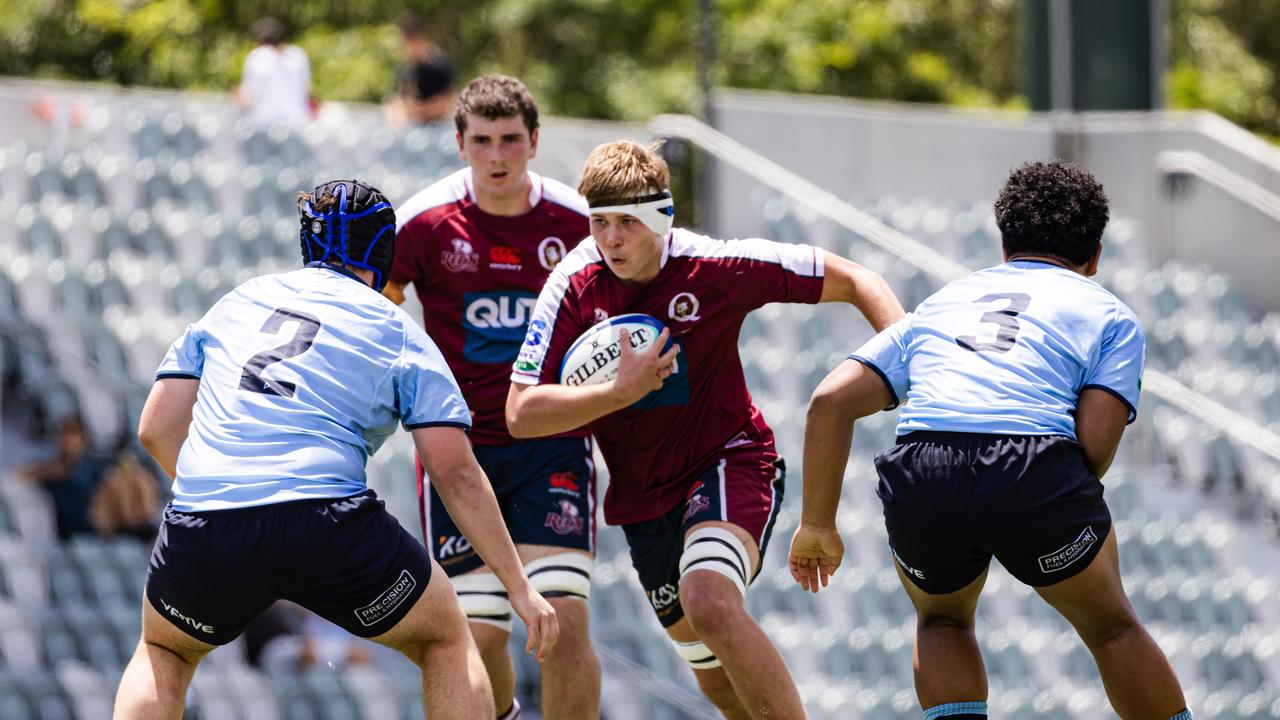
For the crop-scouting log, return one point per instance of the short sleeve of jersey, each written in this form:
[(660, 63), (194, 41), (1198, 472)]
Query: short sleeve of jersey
[(413, 248), (886, 354), (1118, 369), (185, 358), (426, 393), (552, 329), (768, 271)]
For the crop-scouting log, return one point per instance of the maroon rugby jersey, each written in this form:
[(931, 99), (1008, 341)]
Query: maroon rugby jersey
[(703, 291), (478, 275)]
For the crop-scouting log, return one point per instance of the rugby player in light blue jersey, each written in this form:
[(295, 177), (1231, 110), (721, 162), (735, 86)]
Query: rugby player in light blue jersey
[(1018, 381), (264, 413)]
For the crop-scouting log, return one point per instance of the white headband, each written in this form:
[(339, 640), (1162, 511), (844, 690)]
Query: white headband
[(656, 211)]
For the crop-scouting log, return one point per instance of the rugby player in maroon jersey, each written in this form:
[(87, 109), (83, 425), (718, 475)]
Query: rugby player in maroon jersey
[(695, 479)]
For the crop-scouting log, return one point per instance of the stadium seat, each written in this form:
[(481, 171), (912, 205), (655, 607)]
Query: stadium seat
[(329, 695), (87, 690), (66, 584), (96, 636), (1005, 662), (38, 234), (191, 190), (58, 641), (295, 702), (19, 641), (13, 700), (84, 184), (35, 523), (46, 697)]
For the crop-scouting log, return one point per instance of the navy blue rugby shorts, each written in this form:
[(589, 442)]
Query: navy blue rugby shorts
[(952, 501), (347, 560), (546, 489)]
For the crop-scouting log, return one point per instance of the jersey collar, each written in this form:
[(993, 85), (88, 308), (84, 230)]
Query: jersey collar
[(535, 188), (1037, 262), (666, 248), (339, 270)]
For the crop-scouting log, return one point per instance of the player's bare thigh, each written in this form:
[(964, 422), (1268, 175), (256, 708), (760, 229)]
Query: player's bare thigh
[(1094, 600), (435, 618), (960, 606), (158, 631)]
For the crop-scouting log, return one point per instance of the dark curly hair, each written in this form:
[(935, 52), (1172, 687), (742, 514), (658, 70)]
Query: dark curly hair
[(1052, 208)]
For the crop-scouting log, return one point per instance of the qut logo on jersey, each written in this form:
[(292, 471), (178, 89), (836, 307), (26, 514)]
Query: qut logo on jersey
[(495, 323)]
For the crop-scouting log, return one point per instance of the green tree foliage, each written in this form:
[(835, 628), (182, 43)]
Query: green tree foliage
[(1225, 57), (630, 60), (593, 58)]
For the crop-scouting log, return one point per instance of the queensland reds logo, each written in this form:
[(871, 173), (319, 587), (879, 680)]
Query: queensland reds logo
[(684, 307), (695, 501), (697, 504), (567, 521), (464, 258), (550, 252)]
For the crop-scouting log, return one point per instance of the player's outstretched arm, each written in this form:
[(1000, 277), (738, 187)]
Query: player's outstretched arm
[(166, 419), (550, 409), (849, 392), (1100, 421), (846, 281), (468, 496)]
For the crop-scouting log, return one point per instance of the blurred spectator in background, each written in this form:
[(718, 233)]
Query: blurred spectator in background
[(276, 84), (424, 82), (289, 638), (282, 619), (71, 478), (128, 500)]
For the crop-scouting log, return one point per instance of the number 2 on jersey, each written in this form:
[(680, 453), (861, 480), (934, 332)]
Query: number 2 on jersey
[(252, 379), (1006, 319)]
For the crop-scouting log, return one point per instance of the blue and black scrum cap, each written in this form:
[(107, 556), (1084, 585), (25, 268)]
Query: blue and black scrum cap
[(657, 210), (357, 227)]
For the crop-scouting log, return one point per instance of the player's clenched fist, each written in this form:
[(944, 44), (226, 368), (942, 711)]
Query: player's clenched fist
[(815, 555), (540, 618)]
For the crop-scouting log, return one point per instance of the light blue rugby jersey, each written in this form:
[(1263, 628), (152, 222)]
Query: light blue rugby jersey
[(303, 375), (1007, 351)]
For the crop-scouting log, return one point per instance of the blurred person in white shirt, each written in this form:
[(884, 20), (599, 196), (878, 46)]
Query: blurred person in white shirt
[(276, 84)]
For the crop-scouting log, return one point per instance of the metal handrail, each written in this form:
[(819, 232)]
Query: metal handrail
[(691, 704), (800, 190), (1193, 163)]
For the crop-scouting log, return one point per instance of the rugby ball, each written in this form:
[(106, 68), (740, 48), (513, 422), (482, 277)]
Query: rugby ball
[(593, 358)]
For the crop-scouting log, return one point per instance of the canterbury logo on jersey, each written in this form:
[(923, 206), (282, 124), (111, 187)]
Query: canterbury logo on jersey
[(495, 324)]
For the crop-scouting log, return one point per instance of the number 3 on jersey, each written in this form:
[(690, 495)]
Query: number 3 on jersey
[(1006, 320), (251, 378)]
